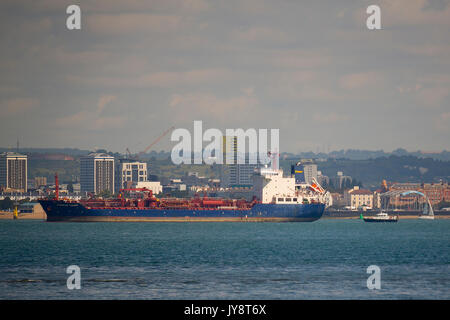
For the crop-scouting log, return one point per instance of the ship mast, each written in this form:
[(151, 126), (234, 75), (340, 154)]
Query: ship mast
[(56, 186)]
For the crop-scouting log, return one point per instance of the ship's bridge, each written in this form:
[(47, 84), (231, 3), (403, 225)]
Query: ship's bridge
[(288, 200)]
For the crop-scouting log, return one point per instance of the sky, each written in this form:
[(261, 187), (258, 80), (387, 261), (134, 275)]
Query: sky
[(311, 69)]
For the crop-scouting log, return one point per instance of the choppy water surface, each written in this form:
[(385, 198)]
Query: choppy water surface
[(326, 259)]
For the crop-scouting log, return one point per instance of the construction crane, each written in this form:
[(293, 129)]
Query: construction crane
[(136, 157), (129, 153)]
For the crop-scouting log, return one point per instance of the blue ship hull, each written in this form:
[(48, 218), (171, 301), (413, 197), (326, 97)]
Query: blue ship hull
[(75, 212)]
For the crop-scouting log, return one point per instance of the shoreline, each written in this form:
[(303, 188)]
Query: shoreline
[(5, 215), (400, 217)]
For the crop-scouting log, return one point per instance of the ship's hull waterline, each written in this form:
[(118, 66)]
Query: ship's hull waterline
[(75, 212)]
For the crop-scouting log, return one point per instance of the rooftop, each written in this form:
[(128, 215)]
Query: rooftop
[(98, 155), (12, 154), (361, 192)]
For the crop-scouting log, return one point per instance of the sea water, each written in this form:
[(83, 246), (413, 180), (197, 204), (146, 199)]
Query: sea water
[(326, 259)]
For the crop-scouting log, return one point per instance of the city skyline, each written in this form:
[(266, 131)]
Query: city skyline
[(312, 70)]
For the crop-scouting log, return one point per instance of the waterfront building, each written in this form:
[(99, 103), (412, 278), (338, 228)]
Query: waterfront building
[(76, 188), (436, 192), (31, 210), (154, 186), (405, 186), (407, 200), (357, 198), (338, 199), (129, 172), (97, 173), (13, 172), (39, 182)]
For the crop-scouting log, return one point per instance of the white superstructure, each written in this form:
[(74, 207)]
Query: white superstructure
[(270, 186)]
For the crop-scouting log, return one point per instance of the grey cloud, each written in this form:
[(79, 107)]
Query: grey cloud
[(309, 68)]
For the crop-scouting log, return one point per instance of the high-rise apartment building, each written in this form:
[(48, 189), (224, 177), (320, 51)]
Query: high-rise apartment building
[(13, 172), (310, 172), (130, 172), (97, 173), (234, 174)]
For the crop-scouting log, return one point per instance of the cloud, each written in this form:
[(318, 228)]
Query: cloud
[(110, 122), (103, 101), (132, 24), (166, 79), (407, 13), (110, 6), (298, 59), (4, 90), (86, 57), (413, 13), (33, 26), (85, 120), (186, 107), (428, 50), (188, 6), (94, 119), (433, 97), (301, 86), (360, 80), (260, 34), (443, 122), (433, 89), (329, 118), (240, 63), (17, 106)]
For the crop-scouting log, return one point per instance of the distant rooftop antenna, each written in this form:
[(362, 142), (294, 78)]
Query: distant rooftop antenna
[(17, 150)]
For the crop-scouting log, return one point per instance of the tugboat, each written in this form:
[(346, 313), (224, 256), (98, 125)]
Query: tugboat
[(381, 217)]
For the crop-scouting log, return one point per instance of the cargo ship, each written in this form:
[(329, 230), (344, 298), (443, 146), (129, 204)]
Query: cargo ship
[(278, 201)]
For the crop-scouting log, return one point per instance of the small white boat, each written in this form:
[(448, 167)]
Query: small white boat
[(381, 217)]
